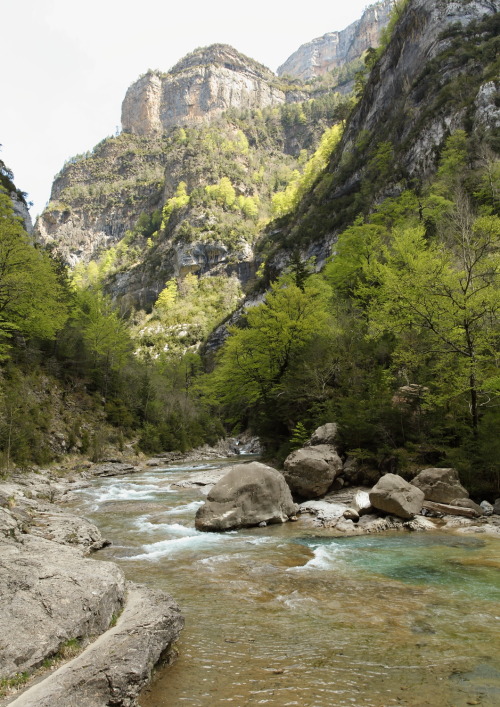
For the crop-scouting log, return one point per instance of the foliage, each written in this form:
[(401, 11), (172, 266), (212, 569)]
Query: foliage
[(31, 295)]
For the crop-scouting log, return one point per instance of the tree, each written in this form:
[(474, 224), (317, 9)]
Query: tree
[(442, 301), (32, 299), (255, 359), (104, 333)]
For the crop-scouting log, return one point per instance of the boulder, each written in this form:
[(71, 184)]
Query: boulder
[(310, 471), (247, 495), (440, 485), (487, 508), (326, 434), (394, 495), (361, 502), (496, 507)]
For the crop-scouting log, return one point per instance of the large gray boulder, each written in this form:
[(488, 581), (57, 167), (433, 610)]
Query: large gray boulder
[(394, 495), (326, 434), (440, 485), (249, 494), (309, 472)]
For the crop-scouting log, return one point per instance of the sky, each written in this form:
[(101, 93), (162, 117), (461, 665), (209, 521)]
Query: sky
[(66, 65)]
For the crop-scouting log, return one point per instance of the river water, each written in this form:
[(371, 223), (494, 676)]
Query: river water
[(289, 615)]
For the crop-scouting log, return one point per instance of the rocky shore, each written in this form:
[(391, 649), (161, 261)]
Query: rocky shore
[(56, 601), (73, 632)]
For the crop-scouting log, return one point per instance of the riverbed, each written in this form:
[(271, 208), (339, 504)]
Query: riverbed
[(289, 615)]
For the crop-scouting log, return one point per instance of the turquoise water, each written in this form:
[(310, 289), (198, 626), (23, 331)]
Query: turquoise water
[(288, 615)]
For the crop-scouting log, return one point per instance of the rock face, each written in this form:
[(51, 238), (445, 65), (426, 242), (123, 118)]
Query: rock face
[(310, 471), (394, 495), (440, 485), (204, 84), (114, 669), (247, 495), (335, 49)]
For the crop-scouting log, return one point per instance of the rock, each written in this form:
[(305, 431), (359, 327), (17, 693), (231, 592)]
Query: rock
[(247, 495), (326, 434), (67, 529), (203, 84), (334, 49), (440, 485), (114, 669), (487, 508), (394, 495), (113, 469), (50, 593), (310, 471), (361, 503), (448, 509), (496, 507), (324, 511), (351, 514), (468, 503)]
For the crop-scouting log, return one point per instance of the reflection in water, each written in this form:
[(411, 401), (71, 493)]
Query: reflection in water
[(286, 615)]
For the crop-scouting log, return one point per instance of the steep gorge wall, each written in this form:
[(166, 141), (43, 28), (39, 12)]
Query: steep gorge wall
[(437, 75), (334, 49)]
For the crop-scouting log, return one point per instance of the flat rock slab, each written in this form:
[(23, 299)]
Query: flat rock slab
[(209, 477), (51, 593), (114, 669)]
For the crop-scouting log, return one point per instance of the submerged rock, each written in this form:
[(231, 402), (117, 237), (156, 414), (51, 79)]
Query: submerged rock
[(440, 485), (393, 494), (310, 471), (246, 496)]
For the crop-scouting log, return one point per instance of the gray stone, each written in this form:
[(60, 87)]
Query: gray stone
[(246, 496), (468, 503), (440, 485), (326, 434), (310, 471), (114, 669), (394, 495), (487, 508), (50, 593), (496, 507)]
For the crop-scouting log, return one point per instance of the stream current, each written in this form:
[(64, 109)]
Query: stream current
[(289, 615)]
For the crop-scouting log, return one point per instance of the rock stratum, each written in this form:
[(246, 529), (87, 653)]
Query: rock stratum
[(335, 49), (54, 597), (205, 83)]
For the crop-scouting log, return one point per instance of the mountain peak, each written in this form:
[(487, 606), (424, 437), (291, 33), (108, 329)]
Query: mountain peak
[(203, 84)]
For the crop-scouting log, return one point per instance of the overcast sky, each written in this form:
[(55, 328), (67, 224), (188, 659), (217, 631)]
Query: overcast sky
[(66, 65)]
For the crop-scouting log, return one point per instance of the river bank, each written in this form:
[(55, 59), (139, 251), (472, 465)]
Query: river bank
[(56, 600)]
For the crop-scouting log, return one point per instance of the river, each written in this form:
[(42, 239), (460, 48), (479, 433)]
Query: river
[(289, 615)]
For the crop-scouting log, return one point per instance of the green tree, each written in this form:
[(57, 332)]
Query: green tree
[(32, 300), (443, 304), (255, 359)]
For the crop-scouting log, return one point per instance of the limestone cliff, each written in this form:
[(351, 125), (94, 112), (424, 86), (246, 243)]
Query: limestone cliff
[(437, 75), (334, 49), (202, 85)]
